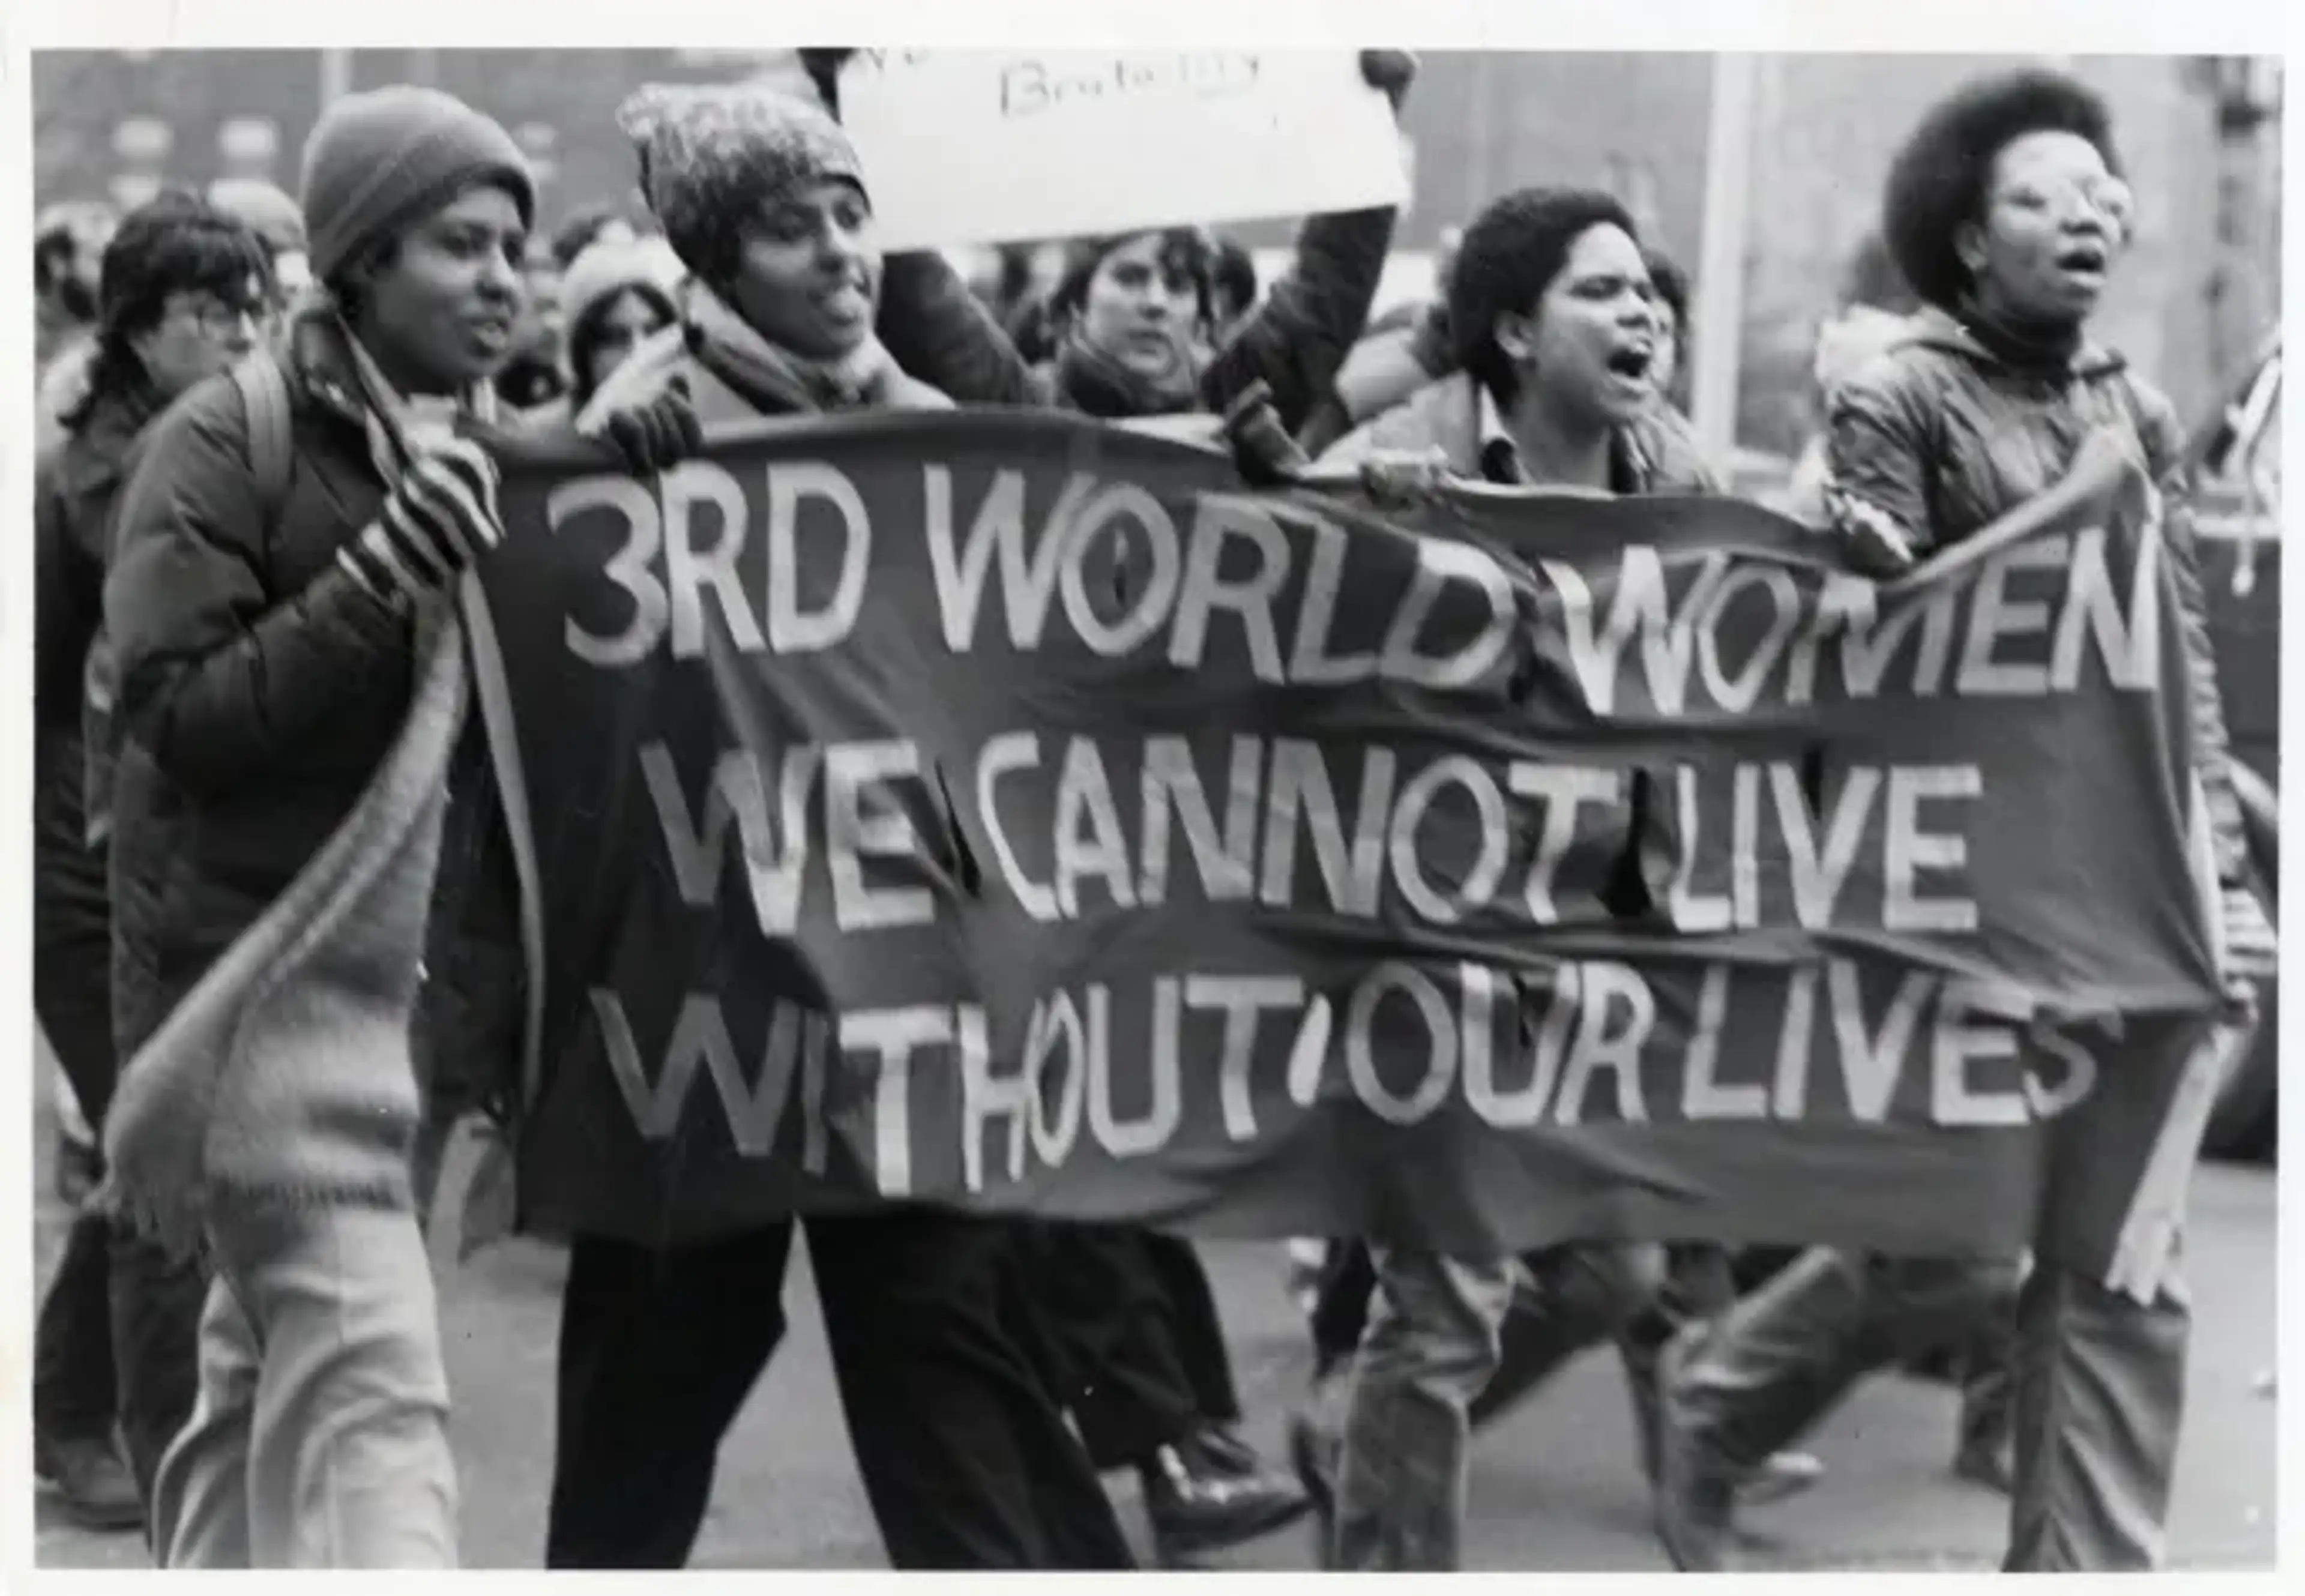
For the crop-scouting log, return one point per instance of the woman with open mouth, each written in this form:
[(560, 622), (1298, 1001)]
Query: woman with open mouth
[(1558, 337), (2005, 210)]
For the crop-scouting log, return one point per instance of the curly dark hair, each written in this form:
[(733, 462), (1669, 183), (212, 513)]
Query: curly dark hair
[(175, 243), (1510, 255), (1938, 180)]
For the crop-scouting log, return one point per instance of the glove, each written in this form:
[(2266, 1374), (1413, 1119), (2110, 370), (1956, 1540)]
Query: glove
[(1391, 73), (440, 517), (1401, 478), (1877, 546), (1263, 451), (657, 436)]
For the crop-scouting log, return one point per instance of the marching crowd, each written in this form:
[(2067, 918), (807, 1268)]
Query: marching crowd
[(265, 816)]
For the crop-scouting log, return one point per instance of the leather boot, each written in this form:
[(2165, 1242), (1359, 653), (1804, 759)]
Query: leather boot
[(1198, 1503)]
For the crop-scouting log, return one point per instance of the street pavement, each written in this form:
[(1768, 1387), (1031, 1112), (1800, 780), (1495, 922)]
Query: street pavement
[(1554, 1484)]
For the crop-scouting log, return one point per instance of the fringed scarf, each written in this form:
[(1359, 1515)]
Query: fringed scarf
[(300, 1033)]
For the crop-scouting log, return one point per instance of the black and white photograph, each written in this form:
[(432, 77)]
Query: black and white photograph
[(1104, 794)]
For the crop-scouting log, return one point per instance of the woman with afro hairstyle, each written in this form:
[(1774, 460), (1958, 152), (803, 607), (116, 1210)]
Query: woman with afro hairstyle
[(2006, 212)]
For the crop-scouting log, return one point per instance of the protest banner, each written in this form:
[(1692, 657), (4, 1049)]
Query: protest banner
[(1002, 810), (1240, 134)]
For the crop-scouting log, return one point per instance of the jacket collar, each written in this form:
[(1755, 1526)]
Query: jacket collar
[(316, 352), (1933, 327), (1499, 457)]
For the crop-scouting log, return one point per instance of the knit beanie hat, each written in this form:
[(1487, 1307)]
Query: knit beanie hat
[(264, 209), (379, 161), (609, 267), (710, 152)]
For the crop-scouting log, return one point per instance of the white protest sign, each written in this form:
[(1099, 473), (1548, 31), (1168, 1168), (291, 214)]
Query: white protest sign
[(984, 145)]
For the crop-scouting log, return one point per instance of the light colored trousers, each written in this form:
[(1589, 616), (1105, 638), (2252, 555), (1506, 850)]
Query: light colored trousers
[(1432, 1341), (320, 1436)]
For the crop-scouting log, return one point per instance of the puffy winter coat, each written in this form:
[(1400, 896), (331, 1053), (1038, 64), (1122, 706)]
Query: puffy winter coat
[(259, 687)]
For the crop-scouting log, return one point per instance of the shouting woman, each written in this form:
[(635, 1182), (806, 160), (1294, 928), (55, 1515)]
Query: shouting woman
[(2007, 213)]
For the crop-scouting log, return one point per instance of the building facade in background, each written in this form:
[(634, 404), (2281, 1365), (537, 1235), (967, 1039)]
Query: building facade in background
[(2201, 137)]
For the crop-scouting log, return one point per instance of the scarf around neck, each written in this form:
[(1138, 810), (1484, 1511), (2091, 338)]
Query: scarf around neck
[(773, 379), (1100, 384)]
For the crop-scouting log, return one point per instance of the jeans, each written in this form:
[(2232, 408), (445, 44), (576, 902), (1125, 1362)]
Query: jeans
[(1432, 1344), (320, 1436)]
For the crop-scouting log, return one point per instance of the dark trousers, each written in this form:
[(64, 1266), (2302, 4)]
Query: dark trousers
[(118, 1336), (72, 1383), (72, 1386), (959, 1441), (1139, 1347)]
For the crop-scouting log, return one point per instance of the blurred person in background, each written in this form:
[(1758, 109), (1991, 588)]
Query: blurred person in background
[(2007, 213), (1232, 290), (68, 242), (183, 289), (534, 376), (618, 294), (1675, 295), (276, 218), (592, 225)]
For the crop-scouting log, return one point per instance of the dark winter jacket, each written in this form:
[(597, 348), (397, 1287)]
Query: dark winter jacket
[(1941, 438), (77, 488), (259, 687)]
